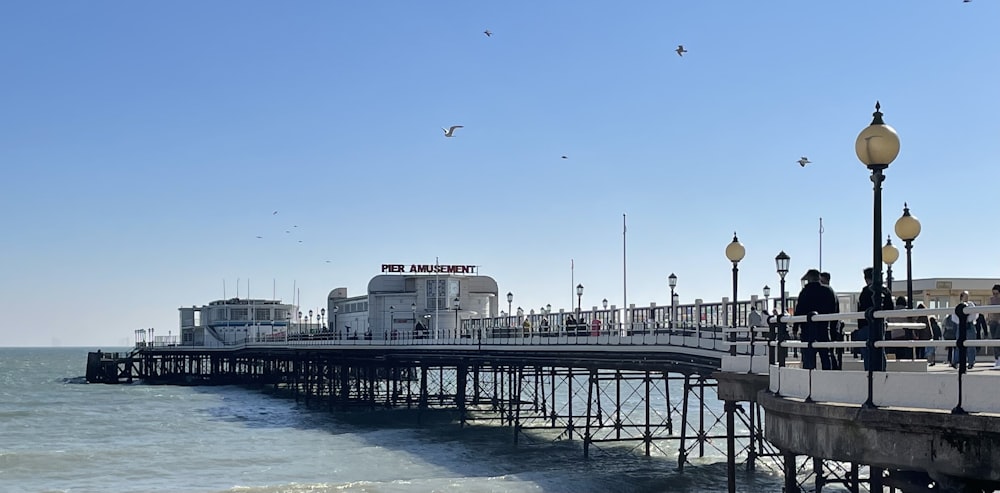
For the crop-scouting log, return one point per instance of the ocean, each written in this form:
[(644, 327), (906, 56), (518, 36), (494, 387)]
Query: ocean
[(60, 434)]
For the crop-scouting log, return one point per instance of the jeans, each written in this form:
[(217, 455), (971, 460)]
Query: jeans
[(970, 335), (995, 334), (816, 332)]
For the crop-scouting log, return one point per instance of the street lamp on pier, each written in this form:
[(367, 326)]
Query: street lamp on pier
[(781, 262), (672, 282), (735, 252), (457, 305), (336, 309), (579, 294), (322, 317), (907, 229), (510, 300), (876, 146), (767, 294), (889, 255)]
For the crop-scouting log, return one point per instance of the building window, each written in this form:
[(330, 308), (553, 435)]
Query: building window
[(238, 313), (439, 291), (262, 314)]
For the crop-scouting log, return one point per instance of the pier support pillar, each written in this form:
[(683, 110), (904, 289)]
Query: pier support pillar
[(790, 469)]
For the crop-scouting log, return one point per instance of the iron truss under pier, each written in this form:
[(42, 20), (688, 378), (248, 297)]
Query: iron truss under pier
[(659, 402)]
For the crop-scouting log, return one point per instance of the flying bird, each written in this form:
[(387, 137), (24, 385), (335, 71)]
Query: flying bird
[(804, 161), (259, 237), (450, 131), (488, 33), (680, 50), (275, 213), (564, 157)]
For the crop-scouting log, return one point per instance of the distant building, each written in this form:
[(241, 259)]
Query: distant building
[(397, 301)]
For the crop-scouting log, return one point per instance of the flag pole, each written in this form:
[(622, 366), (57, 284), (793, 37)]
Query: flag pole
[(821, 244), (624, 272)]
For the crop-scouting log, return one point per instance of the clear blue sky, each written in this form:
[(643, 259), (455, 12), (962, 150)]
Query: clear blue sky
[(145, 145)]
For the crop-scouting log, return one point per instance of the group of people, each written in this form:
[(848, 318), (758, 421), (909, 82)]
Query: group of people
[(817, 296)]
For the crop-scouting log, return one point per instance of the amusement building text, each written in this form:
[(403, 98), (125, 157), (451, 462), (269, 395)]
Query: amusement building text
[(429, 269)]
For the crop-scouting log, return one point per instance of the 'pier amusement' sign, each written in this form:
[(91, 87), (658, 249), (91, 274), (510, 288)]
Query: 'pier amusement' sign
[(429, 269)]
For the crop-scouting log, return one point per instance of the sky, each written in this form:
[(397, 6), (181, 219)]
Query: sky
[(146, 145)]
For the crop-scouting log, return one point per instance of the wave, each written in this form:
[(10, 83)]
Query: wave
[(73, 380)]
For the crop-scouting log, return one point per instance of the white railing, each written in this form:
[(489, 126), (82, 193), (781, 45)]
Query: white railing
[(906, 383)]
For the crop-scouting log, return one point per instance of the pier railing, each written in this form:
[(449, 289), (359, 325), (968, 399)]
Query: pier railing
[(907, 382)]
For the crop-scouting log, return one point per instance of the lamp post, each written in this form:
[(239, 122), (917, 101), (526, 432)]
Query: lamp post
[(907, 229), (309, 327), (876, 146), (510, 300), (457, 305), (767, 305), (889, 256), (579, 294), (385, 335), (413, 313), (735, 252), (672, 282), (322, 317), (302, 319), (781, 262), (336, 309)]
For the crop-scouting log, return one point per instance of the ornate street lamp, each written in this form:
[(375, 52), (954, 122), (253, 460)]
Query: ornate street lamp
[(767, 294), (672, 282), (735, 252), (876, 146), (579, 294), (457, 305), (781, 262), (907, 229), (510, 300), (889, 255)]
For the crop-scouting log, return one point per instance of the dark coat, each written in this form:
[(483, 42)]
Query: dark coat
[(818, 298), (865, 302)]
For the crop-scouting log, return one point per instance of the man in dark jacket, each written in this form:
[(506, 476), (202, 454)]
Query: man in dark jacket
[(866, 301), (818, 298)]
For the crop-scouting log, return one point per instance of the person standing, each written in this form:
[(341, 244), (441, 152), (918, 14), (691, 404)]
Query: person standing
[(994, 324), (755, 319), (866, 301), (836, 328), (970, 333), (818, 298)]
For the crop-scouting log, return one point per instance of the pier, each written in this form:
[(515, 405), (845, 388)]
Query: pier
[(928, 429)]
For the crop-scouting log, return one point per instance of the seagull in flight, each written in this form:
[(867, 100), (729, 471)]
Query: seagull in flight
[(680, 50), (259, 237), (804, 161), (488, 33), (450, 131), (564, 157), (275, 213)]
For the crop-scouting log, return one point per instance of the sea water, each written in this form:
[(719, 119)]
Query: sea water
[(60, 434)]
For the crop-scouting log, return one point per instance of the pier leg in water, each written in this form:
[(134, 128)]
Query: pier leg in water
[(791, 481)]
